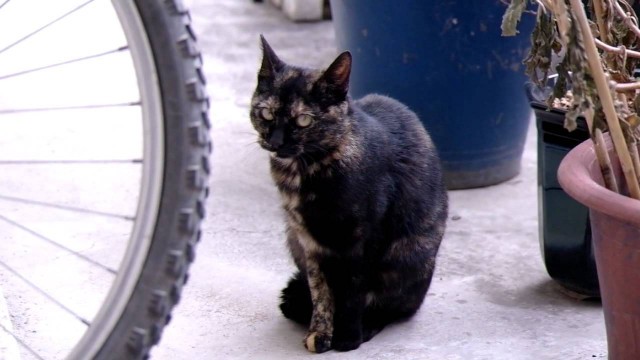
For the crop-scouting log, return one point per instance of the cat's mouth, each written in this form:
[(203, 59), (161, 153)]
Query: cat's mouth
[(283, 152)]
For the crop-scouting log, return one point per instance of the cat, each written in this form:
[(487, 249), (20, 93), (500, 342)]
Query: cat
[(362, 190)]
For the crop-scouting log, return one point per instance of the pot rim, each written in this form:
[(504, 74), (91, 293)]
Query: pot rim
[(580, 177)]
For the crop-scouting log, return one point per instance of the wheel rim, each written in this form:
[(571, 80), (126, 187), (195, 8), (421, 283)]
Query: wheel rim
[(150, 167), (150, 186)]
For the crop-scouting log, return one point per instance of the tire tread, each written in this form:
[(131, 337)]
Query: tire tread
[(163, 277)]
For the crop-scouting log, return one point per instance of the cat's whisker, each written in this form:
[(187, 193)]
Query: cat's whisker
[(305, 165), (318, 147), (249, 150), (255, 142)]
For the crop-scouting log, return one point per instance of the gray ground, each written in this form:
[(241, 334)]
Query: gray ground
[(490, 299)]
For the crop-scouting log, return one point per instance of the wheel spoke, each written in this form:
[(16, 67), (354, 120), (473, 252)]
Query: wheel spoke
[(66, 62), (37, 289), (78, 107), (22, 343), (45, 26), (65, 207), (74, 162), (57, 244), (4, 3)]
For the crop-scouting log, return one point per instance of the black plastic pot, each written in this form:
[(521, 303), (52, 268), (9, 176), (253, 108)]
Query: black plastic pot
[(565, 233)]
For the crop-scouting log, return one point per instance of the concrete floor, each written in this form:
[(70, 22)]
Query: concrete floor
[(490, 299)]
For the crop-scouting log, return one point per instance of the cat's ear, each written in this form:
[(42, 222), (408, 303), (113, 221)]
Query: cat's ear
[(335, 80), (270, 61)]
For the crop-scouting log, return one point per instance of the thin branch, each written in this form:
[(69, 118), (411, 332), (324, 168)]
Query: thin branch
[(602, 155), (545, 4), (604, 94), (632, 144), (605, 161), (625, 87), (620, 87), (560, 10), (588, 117), (635, 156), (622, 99), (627, 19), (602, 27), (617, 50)]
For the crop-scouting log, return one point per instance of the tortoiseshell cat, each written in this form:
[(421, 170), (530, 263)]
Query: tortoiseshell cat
[(365, 204)]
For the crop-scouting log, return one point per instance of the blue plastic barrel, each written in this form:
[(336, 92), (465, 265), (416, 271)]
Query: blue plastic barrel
[(449, 63)]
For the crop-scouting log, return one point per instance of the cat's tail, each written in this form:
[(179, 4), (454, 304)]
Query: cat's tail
[(296, 300)]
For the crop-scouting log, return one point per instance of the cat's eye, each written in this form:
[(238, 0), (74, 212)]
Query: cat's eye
[(266, 114), (304, 120)]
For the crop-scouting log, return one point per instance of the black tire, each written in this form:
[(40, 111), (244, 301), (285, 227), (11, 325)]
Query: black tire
[(185, 183)]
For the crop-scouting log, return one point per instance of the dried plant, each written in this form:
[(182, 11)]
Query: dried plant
[(598, 56)]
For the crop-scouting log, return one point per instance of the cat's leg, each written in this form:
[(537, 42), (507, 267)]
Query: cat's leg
[(345, 279), (373, 321), (296, 300), (318, 338), (401, 295), (376, 318), (296, 297)]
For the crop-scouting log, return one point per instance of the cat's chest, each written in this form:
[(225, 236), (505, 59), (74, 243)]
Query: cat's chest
[(318, 204), (317, 200), (324, 218)]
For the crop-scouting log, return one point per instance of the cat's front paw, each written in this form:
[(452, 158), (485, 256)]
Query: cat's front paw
[(346, 343), (317, 342)]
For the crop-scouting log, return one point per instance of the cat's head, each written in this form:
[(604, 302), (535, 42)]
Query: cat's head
[(300, 111)]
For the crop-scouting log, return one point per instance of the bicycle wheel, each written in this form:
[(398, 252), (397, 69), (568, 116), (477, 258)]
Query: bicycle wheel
[(173, 186)]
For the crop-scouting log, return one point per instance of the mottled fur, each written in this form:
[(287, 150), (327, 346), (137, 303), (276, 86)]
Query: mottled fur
[(363, 196)]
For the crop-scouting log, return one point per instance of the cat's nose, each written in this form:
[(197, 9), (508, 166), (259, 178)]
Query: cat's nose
[(276, 139)]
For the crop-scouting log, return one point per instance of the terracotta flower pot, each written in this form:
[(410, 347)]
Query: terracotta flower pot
[(615, 224)]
